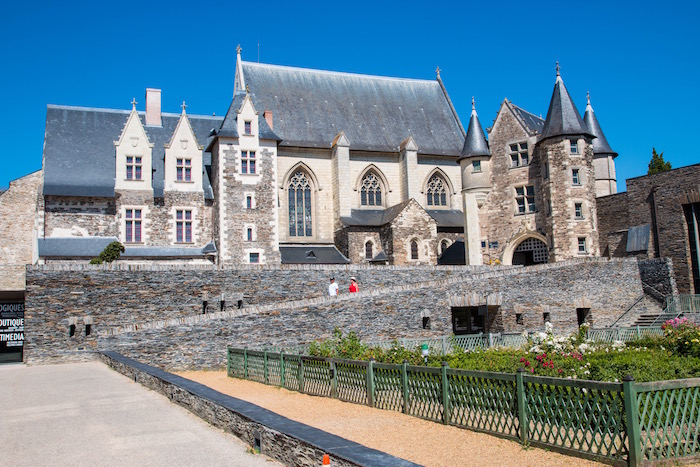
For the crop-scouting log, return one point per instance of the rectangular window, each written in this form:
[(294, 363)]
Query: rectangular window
[(582, 245), (133, 168), (254, 258), (249, 202), (575, 177), (183, 226), (518, 155), (184, 170), (525, 199), (574, 146), (545, 171), (249, 234), (476, 166), (133, 225), (578, 210), (248, 162), (248, 128)]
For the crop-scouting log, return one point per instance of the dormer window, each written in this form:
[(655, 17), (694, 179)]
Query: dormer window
[(184, 170), (248, 128), (247, 162), (574, 146), (133, 168), (518, 155)]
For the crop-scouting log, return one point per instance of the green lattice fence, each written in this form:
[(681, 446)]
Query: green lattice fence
[(669, 419), (583, 418)]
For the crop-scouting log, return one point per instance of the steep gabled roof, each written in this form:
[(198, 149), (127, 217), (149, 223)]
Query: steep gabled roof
[(600, 143), (310, 107), (532, 123), (563, 118), (79, 154), (229, 127)]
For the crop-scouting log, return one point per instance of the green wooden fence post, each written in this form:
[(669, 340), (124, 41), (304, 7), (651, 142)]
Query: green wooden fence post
[(634, 438), (334, 379), (300, 375), (228, 361), (446, 409), (265, 367), (245, 364), (370, 382), (281, 369), (521, 399), (404, 385)]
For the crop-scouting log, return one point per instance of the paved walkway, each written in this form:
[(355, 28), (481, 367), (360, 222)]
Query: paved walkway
[(87, 414)]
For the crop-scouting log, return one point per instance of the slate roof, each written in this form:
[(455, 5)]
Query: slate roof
[(310, 108), (229, 126), (373, 217), (532, 122), (453, 255), (79, 152), (563, 118), (600, 143), (312, 254), (90, 247), (447, 217), (475, 143)]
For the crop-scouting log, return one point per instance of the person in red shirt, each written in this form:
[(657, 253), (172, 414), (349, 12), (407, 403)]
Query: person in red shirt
[(353, 285)]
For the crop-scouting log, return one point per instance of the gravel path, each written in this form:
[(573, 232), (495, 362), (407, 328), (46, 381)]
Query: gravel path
[(420, 441)]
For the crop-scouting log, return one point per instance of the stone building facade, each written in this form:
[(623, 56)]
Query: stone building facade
[(320, 167), (658, 216)]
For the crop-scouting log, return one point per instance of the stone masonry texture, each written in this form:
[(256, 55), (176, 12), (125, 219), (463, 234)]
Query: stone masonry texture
[(129, 309)]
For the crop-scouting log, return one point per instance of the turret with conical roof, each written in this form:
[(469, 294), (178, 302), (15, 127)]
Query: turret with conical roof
[(603, 155), (475, 164), (563, 118)]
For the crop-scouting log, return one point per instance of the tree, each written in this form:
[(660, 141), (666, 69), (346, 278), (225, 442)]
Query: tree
[(109, 254), (657, 164)]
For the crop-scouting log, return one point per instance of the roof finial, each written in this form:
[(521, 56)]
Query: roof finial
[(588, 97), (558, 68), (437, 70), (133, 102), (247, 89), (473, 108), (183, 106), (238, 49)]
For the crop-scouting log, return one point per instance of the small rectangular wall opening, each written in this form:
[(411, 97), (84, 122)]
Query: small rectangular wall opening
[(583, 315), (468, 320)]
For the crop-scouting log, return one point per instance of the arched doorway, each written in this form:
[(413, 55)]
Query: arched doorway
[(530, 251)]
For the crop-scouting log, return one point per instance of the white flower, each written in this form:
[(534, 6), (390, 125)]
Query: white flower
[(549, 327), (586, 372)]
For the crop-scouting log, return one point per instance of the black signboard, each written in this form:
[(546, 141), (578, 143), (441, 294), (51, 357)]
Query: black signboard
[(11, 331)]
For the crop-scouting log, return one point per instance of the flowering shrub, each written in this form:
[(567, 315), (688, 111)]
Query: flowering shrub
[(682, 336)]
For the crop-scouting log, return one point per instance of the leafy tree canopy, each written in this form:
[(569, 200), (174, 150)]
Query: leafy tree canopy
[(109, 254)]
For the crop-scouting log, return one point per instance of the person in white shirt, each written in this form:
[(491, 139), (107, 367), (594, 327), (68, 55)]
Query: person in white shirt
[(333, 288)]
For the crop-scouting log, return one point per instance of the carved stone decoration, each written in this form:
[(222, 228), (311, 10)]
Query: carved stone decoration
[(183, 143), (134, 141)]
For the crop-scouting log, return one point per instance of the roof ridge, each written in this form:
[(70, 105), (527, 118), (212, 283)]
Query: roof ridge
[(344, 73), (127, 112), (526, 111)]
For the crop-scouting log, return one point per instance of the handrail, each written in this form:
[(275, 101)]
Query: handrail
[(639, 299)]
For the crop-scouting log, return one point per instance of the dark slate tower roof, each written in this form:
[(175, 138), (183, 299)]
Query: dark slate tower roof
[(600, 143), (475, 143), (563, 118), (310, 108)]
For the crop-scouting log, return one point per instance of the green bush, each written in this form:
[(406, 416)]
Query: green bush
[(109, 254)]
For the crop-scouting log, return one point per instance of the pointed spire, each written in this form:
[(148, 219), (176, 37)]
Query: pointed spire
[(239, 80), (562, 117), (437, 71), (475, 143), (600, 143)]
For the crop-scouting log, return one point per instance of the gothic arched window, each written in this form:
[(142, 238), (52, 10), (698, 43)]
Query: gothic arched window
[(369, 254), (300, 217), (437, 191), (414, 249), (443, 246), (370, 190)]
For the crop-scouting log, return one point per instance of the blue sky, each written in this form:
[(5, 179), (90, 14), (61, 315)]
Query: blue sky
[(639, 60)]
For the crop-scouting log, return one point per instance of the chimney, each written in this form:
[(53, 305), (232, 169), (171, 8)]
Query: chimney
[(153, 107), (268, 118)]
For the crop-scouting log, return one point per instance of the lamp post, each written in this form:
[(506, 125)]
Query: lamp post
[(425, 351)]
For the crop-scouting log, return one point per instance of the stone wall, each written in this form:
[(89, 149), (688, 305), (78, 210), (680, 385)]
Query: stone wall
[(613, 223), (657, 200), (155, 316), (17, 218), (658, 274), (72, 216)]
